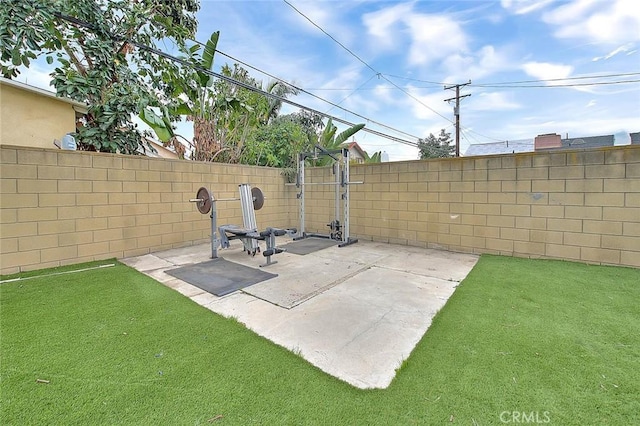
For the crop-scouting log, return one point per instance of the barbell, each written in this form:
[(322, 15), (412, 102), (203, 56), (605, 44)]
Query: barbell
[(359, 182), (205, 199)]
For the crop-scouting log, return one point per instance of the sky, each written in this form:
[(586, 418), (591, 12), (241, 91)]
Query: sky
[(387, 63)]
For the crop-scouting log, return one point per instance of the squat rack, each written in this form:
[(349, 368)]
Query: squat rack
[(339, 229)]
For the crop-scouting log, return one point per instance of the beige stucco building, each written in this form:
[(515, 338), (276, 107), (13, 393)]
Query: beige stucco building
[(33, 117)]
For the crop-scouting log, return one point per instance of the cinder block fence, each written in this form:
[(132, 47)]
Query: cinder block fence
[(61, 207), (576, 205)]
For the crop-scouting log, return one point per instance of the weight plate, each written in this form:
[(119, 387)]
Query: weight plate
[(205, 197), (258, 198)]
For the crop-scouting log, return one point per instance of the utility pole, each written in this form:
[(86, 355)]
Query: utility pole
[(456, 110)]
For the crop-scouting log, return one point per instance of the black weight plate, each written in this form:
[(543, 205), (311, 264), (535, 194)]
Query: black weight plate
[(258, 198), (205, 197)]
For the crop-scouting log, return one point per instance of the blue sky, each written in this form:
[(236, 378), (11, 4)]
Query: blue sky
[(419, 43), (403, 53)]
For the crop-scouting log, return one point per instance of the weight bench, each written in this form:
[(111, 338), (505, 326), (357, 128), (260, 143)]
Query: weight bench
[(250, 239), (250, 200)]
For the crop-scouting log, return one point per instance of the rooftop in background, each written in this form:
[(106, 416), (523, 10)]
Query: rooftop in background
[(584, 143), (77, 106), (505, 147), (545, 143), (356, 152)]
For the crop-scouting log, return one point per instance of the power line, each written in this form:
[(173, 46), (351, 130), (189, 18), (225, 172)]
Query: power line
[(353, 91), (365, 63), (542, 86), (434, 83), (331, 37), (233, 81), (513, 85), (566, 78), (307, 92), (480, 134), (546, 86)]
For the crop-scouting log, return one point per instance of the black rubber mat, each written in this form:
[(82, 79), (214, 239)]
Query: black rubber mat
[(308, 245), (219, 276)]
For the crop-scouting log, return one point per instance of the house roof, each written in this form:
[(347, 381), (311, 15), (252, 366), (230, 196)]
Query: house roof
[(527, 145), (77, 106), (353, 145), (161, 150), (504, 147), (585, 142)]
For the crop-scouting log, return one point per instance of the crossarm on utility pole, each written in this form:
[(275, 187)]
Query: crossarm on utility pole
[(456, 110)]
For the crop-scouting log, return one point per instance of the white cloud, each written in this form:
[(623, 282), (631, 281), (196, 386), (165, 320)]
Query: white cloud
[(36, 76), (628, 48), (434, 37), (493, 101), (348, 76), (547, 71), (325, 16), (457, 65), (615, 21), (486, 61), (591, 103), (522, 7), (382, 94), (312, 10), (428, 106), (383, 24)]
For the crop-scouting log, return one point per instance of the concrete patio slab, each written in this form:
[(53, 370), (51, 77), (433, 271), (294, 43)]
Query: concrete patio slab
[(303, 277), (355, 312)]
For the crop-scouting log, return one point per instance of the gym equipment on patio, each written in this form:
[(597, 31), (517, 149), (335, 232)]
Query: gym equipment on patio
[(251, 199), (339, 226)]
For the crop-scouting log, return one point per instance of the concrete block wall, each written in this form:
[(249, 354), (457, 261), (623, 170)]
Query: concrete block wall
[(575, 205), (62, 207)]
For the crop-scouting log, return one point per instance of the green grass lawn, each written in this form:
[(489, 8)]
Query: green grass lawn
[(547, 341)]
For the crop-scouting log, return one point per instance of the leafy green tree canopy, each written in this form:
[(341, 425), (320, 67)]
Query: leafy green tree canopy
[(98, 45), (276, 144), (436, 147), (330, 139)]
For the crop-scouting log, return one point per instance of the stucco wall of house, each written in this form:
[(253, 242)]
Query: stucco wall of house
[(28, 118)]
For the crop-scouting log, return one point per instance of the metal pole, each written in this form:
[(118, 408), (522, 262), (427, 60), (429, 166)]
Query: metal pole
[(336, 193), (214, 234), (457, 112), (345, 196), (301, 194)]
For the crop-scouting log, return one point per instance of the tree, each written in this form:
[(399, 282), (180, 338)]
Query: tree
[(224, 113), (436, 147), (330, 141), (232, 127), (279, 89), (279, 142), (276, 144), (311, 123), (376, 157), (105, 57)]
